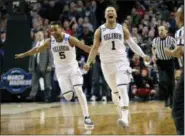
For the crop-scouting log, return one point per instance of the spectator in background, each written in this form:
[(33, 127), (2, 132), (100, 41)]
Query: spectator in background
[(172, 24), (66, 27), (143, 86), (40, 65), (129, 19), (65, 14), (80, 27), (91, 14), (86, 22), (136, 34), (73, 11), (74, 30), (145, 20), (135, 17), (87, 38), (46, 23), (80, 8)]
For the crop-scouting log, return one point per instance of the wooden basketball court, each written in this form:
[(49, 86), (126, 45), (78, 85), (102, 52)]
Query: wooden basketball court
[(66, 118)]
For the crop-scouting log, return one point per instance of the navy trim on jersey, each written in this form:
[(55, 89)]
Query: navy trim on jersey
[(67, 92), (121, 84), (77, 85)]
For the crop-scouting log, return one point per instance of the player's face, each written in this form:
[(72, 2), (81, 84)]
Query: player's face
[(162, 31), (55, 31), (110, 15)]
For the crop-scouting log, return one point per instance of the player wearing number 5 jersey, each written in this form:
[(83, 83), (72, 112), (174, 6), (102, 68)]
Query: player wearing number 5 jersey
[(109, 41), (68, 73)]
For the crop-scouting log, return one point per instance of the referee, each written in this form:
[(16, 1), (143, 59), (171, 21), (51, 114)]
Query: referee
[(165, 64), (178, 101)]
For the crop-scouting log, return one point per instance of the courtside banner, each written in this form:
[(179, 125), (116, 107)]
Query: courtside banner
[(16, 80)]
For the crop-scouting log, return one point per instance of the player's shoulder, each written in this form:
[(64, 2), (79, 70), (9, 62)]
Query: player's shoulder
[(120, 26), (66, 36)]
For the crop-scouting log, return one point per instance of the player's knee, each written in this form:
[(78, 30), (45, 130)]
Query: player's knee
[(78, 90), (68, 96)]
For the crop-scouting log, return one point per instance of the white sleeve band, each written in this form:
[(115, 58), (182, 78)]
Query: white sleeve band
[(135, 47)]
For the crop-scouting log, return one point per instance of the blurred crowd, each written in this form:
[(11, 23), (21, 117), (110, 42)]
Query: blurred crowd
[(81, 17)]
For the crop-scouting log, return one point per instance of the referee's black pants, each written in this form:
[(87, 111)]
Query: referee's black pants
[(166, 80), (178, 106)]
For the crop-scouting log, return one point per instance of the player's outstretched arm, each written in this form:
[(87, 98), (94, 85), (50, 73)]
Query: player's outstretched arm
[(34, 50), (94, 49), (75, 42), (133, 45)]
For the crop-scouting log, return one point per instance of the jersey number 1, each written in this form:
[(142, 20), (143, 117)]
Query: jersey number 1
[(113, 45), (62, 55)]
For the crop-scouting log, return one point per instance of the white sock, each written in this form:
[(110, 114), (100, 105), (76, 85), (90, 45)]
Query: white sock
[(124, 113), (82, 100), (124, 100)]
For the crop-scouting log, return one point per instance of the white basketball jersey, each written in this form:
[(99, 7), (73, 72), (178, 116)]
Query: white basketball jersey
[(63, 52), (112, 46)]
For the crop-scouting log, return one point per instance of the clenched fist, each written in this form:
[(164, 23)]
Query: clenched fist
[(86, 67)]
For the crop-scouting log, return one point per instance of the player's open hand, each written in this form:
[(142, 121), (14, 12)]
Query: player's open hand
[(86, 67), (19, 56)]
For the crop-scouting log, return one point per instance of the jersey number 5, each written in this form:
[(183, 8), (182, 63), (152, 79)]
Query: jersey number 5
[(113, 45), (62, 55)]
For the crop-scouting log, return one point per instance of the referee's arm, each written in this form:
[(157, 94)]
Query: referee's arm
[(179, 49)]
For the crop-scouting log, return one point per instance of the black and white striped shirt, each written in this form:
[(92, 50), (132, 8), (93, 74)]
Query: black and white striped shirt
[(159, 44), (179, 36)]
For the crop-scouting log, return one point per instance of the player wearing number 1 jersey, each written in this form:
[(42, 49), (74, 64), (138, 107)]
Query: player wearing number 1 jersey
[(109, 41), (67, 71)]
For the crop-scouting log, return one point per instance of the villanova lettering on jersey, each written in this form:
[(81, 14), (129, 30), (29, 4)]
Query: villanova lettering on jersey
[(60, 48), (111, 36)]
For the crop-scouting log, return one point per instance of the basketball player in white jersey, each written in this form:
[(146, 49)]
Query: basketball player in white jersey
[(109, 41), (68, 73)]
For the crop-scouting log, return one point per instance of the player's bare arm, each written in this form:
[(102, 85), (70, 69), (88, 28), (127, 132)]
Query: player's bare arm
[(135, 47), (177, 52), (75, 42), (34, 50), (94, 49)]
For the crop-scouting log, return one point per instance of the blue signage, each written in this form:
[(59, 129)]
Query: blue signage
[(16, 80)]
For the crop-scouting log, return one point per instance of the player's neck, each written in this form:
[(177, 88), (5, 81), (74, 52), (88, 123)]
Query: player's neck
[(110, 25)]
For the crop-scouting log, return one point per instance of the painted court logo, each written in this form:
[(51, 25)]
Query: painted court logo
[(16, 80)]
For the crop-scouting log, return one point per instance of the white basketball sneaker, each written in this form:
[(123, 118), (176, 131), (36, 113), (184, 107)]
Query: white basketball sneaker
[(124, 120), (88, 123)]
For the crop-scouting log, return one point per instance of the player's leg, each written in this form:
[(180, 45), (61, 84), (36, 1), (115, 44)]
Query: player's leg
[(122, 81), (77, 82), (65, 86), (178, 106), (111, 81)]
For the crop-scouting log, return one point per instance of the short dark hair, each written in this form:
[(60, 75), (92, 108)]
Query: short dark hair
[(56, 23)]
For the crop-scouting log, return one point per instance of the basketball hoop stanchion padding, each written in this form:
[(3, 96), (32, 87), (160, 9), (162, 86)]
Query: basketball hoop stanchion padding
[(18, 40), (18, 35)]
